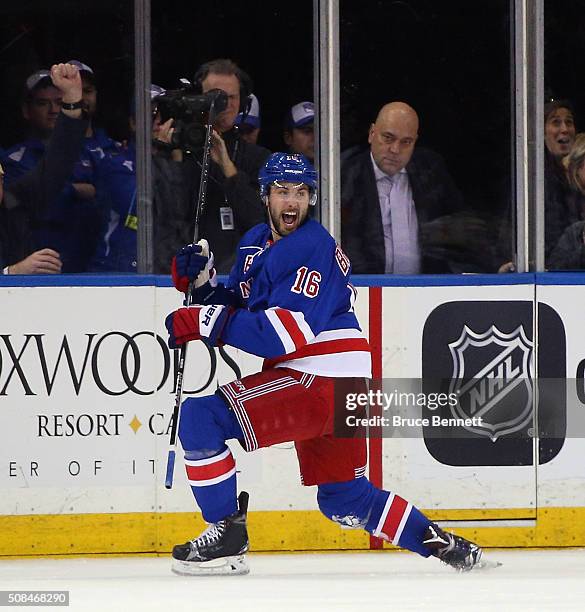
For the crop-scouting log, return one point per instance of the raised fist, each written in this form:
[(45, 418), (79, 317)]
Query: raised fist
[(66, 78)]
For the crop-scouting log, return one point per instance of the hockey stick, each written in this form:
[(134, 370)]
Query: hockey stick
[(183, 353)]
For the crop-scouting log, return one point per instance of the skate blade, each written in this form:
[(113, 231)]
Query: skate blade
[(486, 564), (234, 566)]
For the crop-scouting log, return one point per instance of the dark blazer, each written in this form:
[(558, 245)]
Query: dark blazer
[(435, 195), (562, 207)]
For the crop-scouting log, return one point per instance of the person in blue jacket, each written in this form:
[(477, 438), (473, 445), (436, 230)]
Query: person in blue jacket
[(32, 192), (117, 248), (72, 221)]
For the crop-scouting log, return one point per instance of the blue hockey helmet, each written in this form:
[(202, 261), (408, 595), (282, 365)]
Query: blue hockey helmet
[(288, 167)]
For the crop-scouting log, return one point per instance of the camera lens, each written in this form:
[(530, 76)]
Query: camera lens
[(194, 135)]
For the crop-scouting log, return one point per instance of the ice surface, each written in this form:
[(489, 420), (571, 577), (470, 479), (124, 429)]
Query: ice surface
[(363, 581)]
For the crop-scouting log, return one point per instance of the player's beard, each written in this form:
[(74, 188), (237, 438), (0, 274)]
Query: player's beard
[(278, 226)]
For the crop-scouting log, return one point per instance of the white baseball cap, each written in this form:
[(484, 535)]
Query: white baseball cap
[(300, 114), (253, 117), (36, 77)]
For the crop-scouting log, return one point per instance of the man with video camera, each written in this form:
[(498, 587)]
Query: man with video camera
[(233, 204)]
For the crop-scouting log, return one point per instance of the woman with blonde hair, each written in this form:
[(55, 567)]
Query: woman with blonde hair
[(575, 166), (569, 252)]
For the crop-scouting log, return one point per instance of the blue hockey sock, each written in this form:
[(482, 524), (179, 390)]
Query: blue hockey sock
[(347, 503), (206, 423), (213, 482), (394, 519), (359, 504)]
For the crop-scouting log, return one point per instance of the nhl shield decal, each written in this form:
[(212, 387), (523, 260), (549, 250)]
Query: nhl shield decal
[(484, 352), (493, 378)]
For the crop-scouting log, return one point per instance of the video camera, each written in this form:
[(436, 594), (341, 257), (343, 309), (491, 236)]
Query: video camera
[(190, 111)]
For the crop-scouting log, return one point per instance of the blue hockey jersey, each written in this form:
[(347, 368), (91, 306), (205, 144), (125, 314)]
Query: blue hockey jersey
[(294, 303)]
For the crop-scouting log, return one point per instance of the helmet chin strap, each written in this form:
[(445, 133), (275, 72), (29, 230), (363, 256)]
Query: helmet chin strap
[(272, 224)]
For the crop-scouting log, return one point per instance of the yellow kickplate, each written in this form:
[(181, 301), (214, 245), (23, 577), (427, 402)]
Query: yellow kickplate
[(37, 535)]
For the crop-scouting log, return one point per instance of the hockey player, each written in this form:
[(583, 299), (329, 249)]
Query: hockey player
[(288, 299)]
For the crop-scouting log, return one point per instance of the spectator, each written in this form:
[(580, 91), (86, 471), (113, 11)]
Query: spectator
[(117, 249), (97, 145), (157, 123), (71, 222), (299, 134), (249, 123), (233, 204), (569, 252), (574, 164), (24, 201), (401, 211), (97, 142), (559, 136)]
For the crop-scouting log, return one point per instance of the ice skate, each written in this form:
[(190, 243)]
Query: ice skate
[(455, 551), (220, 549)]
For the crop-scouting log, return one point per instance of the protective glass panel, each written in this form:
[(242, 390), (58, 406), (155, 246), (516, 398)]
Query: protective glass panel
[(427, 184), (275, 67), (564, 151), (55, 214)]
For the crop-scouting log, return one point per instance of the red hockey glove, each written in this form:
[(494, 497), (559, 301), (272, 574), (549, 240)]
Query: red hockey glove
[(196, 323)]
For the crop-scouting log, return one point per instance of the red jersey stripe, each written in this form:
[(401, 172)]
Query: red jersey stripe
[(210, 470), (292, 327), (394, 517), (328, 347)]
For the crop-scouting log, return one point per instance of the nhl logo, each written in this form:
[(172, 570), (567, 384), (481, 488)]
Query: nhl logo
[(493, 378)]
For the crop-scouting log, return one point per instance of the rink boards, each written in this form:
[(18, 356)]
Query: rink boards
[(87, 390)]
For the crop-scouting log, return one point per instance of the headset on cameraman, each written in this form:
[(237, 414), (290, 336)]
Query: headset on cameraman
[(228, 67)]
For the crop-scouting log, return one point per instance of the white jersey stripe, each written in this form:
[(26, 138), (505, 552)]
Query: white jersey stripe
[(336, 365), (307, 332), (307, 380), (242, 418), (250, 441), (384, 515), (281, 332), (291, 382), (237, 403), (253, 393), (401, 524), (207, 460), (268, 385), (249, 438), (337, 334)]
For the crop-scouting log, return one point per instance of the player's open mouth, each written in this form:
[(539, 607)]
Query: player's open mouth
[(289, 218)]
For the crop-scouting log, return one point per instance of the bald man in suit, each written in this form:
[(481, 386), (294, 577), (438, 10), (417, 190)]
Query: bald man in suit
[(400, 206)]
